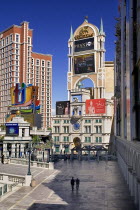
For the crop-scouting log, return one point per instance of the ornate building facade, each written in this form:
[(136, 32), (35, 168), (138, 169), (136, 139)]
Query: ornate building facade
[(86, 61), (127, 95)]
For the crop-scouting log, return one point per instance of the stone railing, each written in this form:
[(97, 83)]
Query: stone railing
[(13, 180), (22, 161), (10, 179), (128, 154)]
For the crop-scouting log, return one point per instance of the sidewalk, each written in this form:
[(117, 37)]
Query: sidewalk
[(101, 188)]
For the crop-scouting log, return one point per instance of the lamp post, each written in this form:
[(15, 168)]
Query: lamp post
[(51, 151), (29, 162)]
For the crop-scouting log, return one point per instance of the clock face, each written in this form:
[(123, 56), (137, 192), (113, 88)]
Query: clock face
[(76, 126)]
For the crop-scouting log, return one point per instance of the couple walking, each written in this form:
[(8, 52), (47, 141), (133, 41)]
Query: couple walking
[(73, 183)]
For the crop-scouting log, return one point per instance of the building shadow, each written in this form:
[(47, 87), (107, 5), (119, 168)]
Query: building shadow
[(88, 196)]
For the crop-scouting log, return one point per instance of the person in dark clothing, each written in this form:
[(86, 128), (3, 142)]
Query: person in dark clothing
[(2, 158), (72, 183), (77, 184)]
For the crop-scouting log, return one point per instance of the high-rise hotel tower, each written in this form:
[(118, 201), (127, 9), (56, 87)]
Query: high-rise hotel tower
[(18, 64)]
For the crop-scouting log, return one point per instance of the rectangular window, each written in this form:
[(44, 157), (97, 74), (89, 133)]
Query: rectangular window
[(37, 62), (87, 129), (43, 63), (29, 40), (98, 129), (66, 139), (66, 149), (7, 40), (48, 64), (98, 120), (56, 138), (87, 139), (87, 121), (98, 139), (56, 129), (56, 149), (56, 121), (17, 37), (66, 129), (66, 121), (11, 38)]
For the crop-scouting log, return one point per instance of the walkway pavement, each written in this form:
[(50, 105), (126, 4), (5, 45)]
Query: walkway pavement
[(101, 188)]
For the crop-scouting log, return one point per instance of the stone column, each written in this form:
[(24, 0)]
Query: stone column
[(13, 151), (17, 150), (5, 153), (22, 150)]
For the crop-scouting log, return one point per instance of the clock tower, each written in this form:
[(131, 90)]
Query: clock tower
[(90, 109), (86, 58)]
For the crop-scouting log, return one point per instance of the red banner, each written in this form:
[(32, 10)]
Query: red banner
[(96, 106)]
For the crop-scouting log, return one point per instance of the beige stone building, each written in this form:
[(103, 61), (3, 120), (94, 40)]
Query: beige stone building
[(86, 62)]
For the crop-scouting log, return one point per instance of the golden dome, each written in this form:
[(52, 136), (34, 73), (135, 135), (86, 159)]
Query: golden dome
[(18, 112)]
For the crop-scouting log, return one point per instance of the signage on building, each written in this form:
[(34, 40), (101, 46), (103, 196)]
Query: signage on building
[(25, 98), (84, 32), (84, 64), (12, 129), (96, 106), (62, 107), (85, 44)]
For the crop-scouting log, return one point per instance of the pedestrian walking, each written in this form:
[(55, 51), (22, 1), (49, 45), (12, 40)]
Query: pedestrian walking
[(72, 183), (77, 184)]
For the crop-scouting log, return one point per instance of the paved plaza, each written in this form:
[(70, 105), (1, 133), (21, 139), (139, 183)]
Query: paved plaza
[(101, 188)]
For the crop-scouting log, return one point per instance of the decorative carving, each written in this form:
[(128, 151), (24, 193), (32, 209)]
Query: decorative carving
[(84, 33), (101, 76)]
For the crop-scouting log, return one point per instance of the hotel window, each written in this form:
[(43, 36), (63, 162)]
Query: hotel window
[(57, 149), (17, 52), (87, 121), (66, 121), (87, 139), (98, 129), (98, 139), (98, 120), (56, 138), (48, 63), (37, 62), (7, 40), (3, 42), (17, 37), (66, 139), (29, 40), (66, 129), (32, 61), (56, 129), (87, 129), (11, 38), (43, 63), (56, 121)]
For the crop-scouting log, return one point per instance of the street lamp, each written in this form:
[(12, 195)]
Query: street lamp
[(29, 162), (51, 151)]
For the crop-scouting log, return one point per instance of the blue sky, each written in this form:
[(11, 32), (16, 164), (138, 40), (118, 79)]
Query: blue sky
[(51, 21)]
